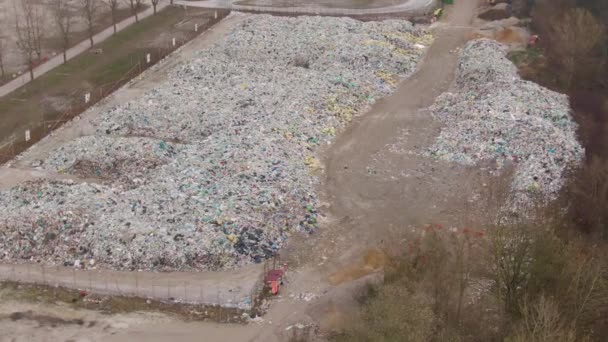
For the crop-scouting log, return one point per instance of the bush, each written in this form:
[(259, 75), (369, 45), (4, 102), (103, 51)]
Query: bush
[(588, 194), (519, 283)]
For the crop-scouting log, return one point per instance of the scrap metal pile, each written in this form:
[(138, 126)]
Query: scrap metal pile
[(497, 116), (215, 167)]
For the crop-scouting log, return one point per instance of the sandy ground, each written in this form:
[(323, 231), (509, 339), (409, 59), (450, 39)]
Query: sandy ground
[(376, 188)]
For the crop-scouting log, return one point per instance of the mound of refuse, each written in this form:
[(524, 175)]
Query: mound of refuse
[(215, 167), (497, 116)]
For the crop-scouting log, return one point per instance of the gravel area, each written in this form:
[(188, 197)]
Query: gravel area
[(496, 116), (215, 167)]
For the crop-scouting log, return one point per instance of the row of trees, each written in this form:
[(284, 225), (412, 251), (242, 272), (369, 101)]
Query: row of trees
[(30, 24)]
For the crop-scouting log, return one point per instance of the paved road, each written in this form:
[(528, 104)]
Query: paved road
[(409, 6), (76, 50)]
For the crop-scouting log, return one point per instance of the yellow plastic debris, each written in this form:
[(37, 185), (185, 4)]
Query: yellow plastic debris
[(232, 238), (313, 163), (387, 77), (329, 130)]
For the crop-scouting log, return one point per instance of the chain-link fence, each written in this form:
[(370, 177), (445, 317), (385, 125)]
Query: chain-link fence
[(240, 289)]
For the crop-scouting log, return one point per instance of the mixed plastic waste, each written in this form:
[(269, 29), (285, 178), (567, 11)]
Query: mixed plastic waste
[(215, 167)]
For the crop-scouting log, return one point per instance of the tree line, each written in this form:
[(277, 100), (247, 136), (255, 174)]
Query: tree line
[(30, 24)]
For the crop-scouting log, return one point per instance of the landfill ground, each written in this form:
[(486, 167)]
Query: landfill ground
[(214, 166), (378, 184)]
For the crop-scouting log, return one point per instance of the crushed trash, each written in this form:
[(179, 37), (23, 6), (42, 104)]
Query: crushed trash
[(305, 296), (211, 169), (496, 116)]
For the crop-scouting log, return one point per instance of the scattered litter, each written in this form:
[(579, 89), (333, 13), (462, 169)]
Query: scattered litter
[(305, 296)]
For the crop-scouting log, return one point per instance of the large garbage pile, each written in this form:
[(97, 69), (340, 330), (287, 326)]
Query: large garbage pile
[(215, 167), (497, 116)]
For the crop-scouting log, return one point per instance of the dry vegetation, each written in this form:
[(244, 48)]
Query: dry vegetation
[(518, 283)]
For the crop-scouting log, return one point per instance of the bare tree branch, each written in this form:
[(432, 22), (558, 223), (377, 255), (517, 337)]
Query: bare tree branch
[(573, 34), (2, 56), (154, 4), (28, 26), (89, 12), (63, 17), (135, 7), (113, 5)]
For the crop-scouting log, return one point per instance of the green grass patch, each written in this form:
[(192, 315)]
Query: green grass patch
[(526, 56)]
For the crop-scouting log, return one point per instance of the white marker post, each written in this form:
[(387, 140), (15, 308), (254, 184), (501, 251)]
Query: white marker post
[(87, 97), (195, 27), (148, 58), (215, 14), (173, 41), (27, 135)]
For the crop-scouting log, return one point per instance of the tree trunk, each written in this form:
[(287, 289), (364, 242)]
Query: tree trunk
[(65, 57), (31, 72), (91, 38), (136, 17), (114, 22), (154, 5)]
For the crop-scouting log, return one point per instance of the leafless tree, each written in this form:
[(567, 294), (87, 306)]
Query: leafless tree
[(154, 4), (573, 35), (63, 17), (89, 12), (113, 5), (135, 7), (29, 22), (2, 56)]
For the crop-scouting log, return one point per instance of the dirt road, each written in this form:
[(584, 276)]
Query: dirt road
[(377, 187)]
